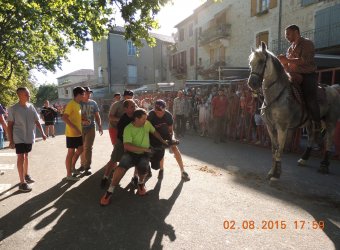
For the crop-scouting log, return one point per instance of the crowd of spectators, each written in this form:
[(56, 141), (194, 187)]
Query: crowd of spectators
[(240, 119)]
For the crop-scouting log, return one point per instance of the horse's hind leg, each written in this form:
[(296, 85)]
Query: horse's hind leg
[(324, 164)]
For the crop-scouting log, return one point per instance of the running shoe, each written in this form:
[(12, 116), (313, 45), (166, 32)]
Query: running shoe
[(105, 200), (29, 179), (72, 178), (79, 170), (141, 189), (88, 171), (185, 176), (24, 187)]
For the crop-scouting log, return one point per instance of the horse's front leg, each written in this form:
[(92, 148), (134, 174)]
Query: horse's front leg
[(310, 142), (275, 171), (324, 164)]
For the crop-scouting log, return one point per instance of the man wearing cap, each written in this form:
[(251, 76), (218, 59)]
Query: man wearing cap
[(73, 132), (89, 118), (116, 111), (163, 122)]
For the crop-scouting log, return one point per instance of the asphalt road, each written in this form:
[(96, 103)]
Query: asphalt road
[(228, 204)]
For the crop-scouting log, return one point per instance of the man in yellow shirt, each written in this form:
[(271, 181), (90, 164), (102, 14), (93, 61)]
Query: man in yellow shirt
[(73, 131)]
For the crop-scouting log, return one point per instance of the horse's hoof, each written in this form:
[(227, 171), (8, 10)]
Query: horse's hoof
[(301, 162)]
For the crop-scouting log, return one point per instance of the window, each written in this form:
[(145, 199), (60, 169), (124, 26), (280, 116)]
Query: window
[(181, 35), (192, 56), (221, 54), (262, 6), (191, 29), (259, 7), (132, 74), (212, 56), (308, 2), (174, 61), (183, 59), (131, 48), (262, 36)]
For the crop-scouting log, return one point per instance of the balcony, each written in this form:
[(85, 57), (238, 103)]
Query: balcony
[(323, 38), (179, 71), (209, 70), (213, 33)]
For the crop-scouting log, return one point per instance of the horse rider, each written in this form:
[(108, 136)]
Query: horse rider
[(299, 64)]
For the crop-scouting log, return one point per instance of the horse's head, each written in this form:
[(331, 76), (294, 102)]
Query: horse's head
[(257, 62)]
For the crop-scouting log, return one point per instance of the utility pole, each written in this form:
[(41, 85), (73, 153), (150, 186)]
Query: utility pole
[(279, 28)]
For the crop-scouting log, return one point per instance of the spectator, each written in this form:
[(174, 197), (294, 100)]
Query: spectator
[(48, 114), (218, 111)]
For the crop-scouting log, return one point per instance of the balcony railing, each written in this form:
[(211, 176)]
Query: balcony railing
[(213, 33), (327, 36), (179, 70)]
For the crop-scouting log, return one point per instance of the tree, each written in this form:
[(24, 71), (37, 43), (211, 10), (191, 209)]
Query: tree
[(8, 95), (46, 92), (39, 33)]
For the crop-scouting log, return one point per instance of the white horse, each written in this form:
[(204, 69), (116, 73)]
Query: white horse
[(281, 111)]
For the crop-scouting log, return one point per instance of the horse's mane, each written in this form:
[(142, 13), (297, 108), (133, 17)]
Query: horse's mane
[(277, 64)]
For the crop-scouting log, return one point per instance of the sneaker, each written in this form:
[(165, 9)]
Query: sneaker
[(134, 181), (141, 189), (72, 178), (185, 176), (88, 171), (105, 200), (79, 170), (53, 136), (24, 187), (29, 179), (103, 182), (161, 174)]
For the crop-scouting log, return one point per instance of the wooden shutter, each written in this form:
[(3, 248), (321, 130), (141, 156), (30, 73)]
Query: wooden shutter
[(253, 7), (273, 4)]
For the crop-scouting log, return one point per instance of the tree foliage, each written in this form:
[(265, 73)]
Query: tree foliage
[(39, 33), (46, 92), (8, 95)]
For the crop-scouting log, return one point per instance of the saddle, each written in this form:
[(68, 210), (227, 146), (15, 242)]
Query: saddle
[(298, 95)]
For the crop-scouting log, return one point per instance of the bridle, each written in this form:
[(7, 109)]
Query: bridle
[(261, 75)]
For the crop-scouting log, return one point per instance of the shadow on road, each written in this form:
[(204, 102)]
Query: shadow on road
[(301, 186), (31, 209), (129, 222)]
